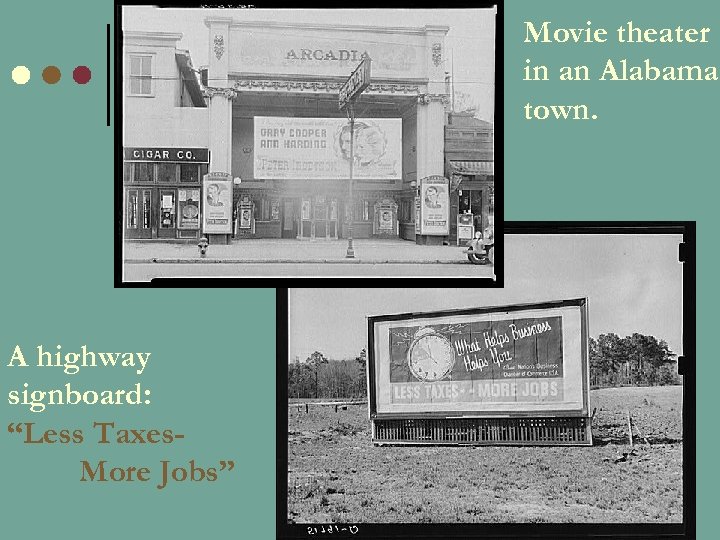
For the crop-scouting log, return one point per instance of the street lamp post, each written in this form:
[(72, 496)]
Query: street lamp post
[(358, 81), (350, 254)]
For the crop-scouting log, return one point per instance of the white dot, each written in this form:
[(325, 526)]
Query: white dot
[(20, 75)]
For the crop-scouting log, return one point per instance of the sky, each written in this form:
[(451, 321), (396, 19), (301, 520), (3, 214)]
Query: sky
[(469, 44), (633, 284)]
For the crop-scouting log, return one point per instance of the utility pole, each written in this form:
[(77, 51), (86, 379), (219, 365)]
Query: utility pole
[(350, 254)]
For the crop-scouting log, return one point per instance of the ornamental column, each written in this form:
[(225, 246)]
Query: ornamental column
[(431, 106), (431, 116), (220, 95)]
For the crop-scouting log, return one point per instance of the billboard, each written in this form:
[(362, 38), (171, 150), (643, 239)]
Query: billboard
[(434, 206), (217, 203), (319, 148), (529, 358)]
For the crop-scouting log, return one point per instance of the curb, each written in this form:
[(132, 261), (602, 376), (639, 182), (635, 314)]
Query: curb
[(288, 261)]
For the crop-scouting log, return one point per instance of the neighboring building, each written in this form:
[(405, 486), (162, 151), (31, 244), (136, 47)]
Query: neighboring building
[(165, 138), (469, 163)]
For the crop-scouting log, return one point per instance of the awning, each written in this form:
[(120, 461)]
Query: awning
[(188, 75), (473, 167)]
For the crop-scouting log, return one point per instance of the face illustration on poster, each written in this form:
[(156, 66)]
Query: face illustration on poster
[(431, 197), (213, 195)]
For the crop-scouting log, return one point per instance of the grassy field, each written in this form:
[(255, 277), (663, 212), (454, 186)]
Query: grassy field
[(335, 474)]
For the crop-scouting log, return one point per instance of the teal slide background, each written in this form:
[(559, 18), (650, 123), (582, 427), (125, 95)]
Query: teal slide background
[(212, 369), (652, 154)]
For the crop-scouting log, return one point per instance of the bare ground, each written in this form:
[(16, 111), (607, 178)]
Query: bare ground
[(335, 474)]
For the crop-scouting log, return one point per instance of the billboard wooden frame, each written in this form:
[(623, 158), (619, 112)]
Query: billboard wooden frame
[(504, 422)]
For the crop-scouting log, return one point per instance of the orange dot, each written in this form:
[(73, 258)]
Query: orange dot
[(51, 74)]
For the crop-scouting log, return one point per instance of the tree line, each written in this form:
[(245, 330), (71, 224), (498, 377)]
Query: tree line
[(319, 377), (636, 360)]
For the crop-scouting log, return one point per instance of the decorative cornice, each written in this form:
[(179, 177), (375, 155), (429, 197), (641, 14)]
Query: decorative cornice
[(229, 93), (426, 99), (252, 85), (265, 25)]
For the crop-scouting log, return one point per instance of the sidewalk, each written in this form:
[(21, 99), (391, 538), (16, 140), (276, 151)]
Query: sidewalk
[(294, 251)]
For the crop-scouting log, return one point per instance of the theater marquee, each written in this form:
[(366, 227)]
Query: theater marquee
[(319, 148)]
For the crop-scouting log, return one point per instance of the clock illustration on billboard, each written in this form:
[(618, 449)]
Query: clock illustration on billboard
[(430, 356)]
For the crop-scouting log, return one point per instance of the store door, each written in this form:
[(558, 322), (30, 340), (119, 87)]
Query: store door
[(168, 217), (471, 202), (476, 207), (320, 212), (325, 219), (138, 213), (289, 219)]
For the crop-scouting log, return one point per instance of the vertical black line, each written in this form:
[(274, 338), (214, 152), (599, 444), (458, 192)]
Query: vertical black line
[(107, 74), (282, 411)]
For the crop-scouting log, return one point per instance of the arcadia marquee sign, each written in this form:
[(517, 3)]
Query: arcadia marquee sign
[(339, 55)]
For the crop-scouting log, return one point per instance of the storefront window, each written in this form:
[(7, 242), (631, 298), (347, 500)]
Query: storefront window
[(189, 172), (143, 172), (127, 172), (490, 221), (146, 209), (167, 172), (362, 210), (305, 209), (264, 209), (189, 208), (132, 209), (275, 211)]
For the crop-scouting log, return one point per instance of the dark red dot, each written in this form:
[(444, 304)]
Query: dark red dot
[(81, 74)]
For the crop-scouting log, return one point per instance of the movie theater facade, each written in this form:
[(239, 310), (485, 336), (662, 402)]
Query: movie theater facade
[(277, 136)]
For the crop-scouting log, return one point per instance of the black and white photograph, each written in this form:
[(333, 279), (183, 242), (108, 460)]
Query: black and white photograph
[(307, 142), (560, 399)]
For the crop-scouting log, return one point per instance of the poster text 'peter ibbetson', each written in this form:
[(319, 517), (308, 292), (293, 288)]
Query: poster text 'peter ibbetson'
[(468, 351)]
